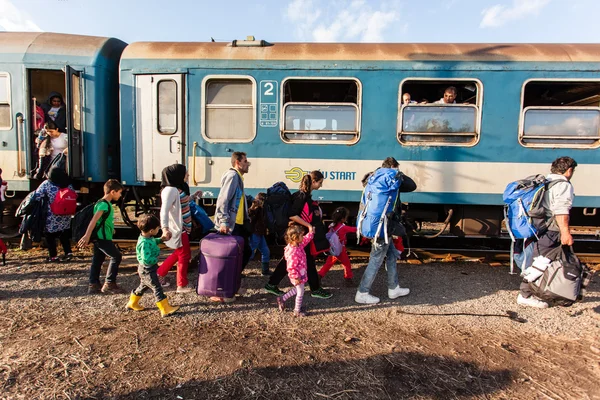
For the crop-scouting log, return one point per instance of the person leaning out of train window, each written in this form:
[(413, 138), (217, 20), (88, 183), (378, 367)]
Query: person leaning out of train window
[(406, 99), (231, 215), (55, 111), (449, 96), (557, 203)]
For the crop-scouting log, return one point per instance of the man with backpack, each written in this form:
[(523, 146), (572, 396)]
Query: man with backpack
[(556, 203), (379, 223)]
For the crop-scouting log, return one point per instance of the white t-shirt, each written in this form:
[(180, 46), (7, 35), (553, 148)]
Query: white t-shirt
[(59, 144), (53, 113), (2, 191)]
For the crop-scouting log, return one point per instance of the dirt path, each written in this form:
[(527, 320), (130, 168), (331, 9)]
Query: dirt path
[(458, 335)]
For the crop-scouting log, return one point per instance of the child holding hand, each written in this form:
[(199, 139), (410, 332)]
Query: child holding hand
[(147, 252), (339, 227), (295, 258)]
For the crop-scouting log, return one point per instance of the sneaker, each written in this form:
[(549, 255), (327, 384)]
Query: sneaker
[(94, 288), (281, 304), (321, 293), (52, 259), (273, 289), (398, 292), (184, 289), (111, 288), (67, 257), (164, 281), (265, 269), (531, 302), (365, 298)]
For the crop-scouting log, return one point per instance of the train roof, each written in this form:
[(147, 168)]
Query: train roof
[(64, 48), (366, 51)]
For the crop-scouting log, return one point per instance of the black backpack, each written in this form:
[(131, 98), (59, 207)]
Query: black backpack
[(82, 219), (277, 206)]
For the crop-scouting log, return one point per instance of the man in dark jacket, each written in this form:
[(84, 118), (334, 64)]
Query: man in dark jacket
[(55, 111), (380, 249)]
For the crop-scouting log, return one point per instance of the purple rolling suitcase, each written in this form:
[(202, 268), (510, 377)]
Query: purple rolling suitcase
[(220, 266)]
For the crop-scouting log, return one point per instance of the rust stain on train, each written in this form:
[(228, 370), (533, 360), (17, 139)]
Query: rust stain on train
[(366, 51)]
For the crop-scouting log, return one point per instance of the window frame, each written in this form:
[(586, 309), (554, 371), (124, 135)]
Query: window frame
[(177, 100), (203, 107), (478, 116), (557, 144), (9, 103), (358, 106)]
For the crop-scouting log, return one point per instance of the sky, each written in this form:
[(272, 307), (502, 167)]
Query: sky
[(408, 21)]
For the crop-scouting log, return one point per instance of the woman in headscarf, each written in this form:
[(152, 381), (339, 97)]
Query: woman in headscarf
[(57, 226), (176, 224)]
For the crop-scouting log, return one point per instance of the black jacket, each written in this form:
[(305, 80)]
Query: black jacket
[(61, 117)]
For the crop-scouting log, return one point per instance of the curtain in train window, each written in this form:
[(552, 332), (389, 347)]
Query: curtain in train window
[(440, 112), (5, 115), (321, 110), (560, 114), (167, 107), (229, 113)]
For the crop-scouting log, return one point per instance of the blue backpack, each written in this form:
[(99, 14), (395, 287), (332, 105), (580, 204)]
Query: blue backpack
[(377, 203), (523, 212)]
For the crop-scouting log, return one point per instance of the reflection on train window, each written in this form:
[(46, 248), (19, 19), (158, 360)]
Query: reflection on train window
[(5, 119), (75, 84), (167, 107), (439, 112), (321, 110), (560, 114), (229, 110)]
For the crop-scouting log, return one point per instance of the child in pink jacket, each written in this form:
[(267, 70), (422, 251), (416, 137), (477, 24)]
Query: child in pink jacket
[(295, 257)]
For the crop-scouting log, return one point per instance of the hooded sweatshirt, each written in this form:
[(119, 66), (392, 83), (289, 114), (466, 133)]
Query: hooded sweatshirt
[(58, 116)]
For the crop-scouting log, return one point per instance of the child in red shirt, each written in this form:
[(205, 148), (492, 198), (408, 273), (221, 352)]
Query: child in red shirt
[(340, 215)]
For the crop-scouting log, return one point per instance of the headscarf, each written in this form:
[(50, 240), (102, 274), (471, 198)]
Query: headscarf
[(174, 175), (59, 177)]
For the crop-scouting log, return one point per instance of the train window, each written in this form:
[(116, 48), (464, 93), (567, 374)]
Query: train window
[(5, 114), (167, 107), (560, 114), (439, 112), (229, 112), (321, 110), (75, 84)]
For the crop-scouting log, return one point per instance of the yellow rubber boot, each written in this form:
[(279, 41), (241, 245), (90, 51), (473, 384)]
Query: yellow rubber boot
[(134, 303), (165, 308)]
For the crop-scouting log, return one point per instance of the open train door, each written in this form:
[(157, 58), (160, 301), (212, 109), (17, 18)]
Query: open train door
[(74, 122), (160, 124)]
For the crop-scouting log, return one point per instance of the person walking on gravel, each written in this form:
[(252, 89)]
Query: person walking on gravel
[(381, 250), (557, 203)]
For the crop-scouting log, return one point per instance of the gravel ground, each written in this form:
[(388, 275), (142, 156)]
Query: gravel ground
[(459, 334)]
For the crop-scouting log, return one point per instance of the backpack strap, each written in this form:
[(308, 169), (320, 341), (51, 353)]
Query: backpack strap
[(102, 219)]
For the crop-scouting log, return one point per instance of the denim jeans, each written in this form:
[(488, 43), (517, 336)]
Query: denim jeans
[(260, 242), (149, 281), (102, 249), (379, 251)]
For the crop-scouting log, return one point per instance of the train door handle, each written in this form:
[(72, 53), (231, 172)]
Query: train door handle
[(175, 143)]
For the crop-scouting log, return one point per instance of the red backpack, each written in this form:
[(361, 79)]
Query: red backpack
[(65, 202)]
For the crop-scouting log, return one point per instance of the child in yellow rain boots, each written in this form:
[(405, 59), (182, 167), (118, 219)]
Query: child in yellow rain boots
[(147, 251)]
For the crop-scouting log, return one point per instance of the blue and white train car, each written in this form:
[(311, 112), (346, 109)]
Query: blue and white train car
[(297, 107), (84, 70)]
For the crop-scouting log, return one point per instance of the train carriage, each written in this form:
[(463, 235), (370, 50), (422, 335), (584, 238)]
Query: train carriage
[(84, 70), (296, 107)]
